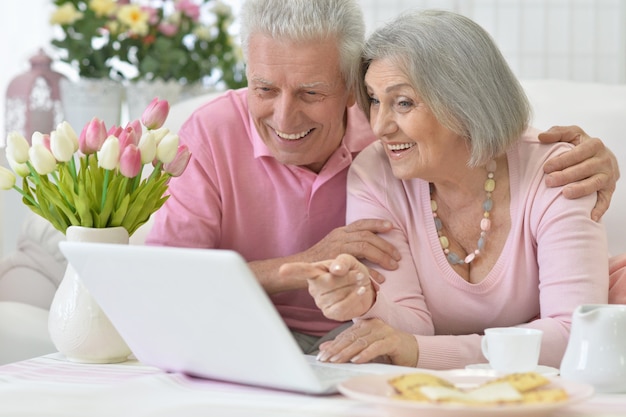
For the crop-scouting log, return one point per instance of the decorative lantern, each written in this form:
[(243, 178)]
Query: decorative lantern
[(33, 101)]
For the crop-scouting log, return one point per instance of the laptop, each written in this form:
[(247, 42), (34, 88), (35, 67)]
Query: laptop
[(201, 312)]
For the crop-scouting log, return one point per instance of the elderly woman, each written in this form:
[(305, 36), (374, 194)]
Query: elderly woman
[(458, 172)]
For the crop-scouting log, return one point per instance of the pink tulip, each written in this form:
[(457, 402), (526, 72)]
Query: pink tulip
[(155, 114), (136, 124), (180, 162), (127, 137), (115, 131), (92, 137), (130, 161)]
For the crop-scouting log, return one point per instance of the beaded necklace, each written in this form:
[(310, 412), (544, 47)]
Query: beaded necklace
[(485, 223)]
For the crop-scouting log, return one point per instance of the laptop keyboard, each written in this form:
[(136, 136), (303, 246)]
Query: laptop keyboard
[(330, 372)]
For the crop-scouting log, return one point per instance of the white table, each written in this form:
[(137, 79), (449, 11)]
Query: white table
[(50, 386)]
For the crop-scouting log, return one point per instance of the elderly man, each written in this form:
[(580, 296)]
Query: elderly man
[(268, 172)]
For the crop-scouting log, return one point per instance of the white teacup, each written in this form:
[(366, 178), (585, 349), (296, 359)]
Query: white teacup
[(512, 349)]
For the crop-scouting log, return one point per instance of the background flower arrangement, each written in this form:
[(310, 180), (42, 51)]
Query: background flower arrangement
[(86, 43), (183, 40), (96, 180)]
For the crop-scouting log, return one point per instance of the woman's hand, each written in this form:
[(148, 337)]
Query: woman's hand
[(371, 340), (341, 287)]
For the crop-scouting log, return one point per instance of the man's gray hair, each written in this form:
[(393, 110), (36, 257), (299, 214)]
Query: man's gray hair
[(306, 20), (459, 73)]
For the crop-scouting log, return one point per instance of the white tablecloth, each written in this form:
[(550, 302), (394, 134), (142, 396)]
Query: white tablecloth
[(50, 386)]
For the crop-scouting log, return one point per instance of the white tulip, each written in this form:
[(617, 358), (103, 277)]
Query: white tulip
[(20, 169), (109, 154), (7, 179), (37, 138), (160, 133), (17, 147), (147, 147), (42, 159), (167, 148), (62, 146), (67, 129)]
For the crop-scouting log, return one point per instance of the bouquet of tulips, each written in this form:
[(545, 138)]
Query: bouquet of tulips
[(97, 179)]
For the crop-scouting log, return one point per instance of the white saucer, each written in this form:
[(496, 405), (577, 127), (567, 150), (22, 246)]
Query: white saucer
[(541, 369)]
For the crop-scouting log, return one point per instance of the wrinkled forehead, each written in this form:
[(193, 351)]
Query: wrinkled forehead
[(287, 39), (314, 61)]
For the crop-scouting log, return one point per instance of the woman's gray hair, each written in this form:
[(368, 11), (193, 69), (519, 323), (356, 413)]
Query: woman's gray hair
[(305, 20), (459, 73)]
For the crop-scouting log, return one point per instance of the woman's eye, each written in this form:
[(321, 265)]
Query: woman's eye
[(373, 100)]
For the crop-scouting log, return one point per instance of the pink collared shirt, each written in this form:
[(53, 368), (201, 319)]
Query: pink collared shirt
[(235, 195)]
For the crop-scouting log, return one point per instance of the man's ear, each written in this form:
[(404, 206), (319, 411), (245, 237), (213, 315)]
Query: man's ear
[(351, 99)]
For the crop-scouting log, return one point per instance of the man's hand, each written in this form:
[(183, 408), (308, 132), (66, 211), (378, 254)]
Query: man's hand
[(359, 239), (587, 168)]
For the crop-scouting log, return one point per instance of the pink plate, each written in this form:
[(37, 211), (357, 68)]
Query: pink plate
[(375, 389)]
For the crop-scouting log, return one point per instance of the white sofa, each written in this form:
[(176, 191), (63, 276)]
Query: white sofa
[(598, 109)]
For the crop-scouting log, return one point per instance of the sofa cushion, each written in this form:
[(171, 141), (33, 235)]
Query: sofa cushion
[(600, 110)]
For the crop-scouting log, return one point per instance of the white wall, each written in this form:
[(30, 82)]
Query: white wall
[(580, 40), (24, 28), (583, 40)]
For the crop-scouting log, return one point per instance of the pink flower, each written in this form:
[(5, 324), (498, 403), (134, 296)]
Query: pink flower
[(153, 15), (92, 137), (155, 114), (128, 136), (168, 29), (189, 8), (115, 131), (130, 161), (136, 124), (180, 162)]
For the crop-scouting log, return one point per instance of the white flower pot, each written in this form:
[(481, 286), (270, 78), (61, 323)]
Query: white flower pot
[(88, 98), (78, 327), (140, 93)]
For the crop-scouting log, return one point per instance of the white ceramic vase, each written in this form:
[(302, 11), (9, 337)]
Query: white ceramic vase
[(91, 97), (140, 93), (78, 327)]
